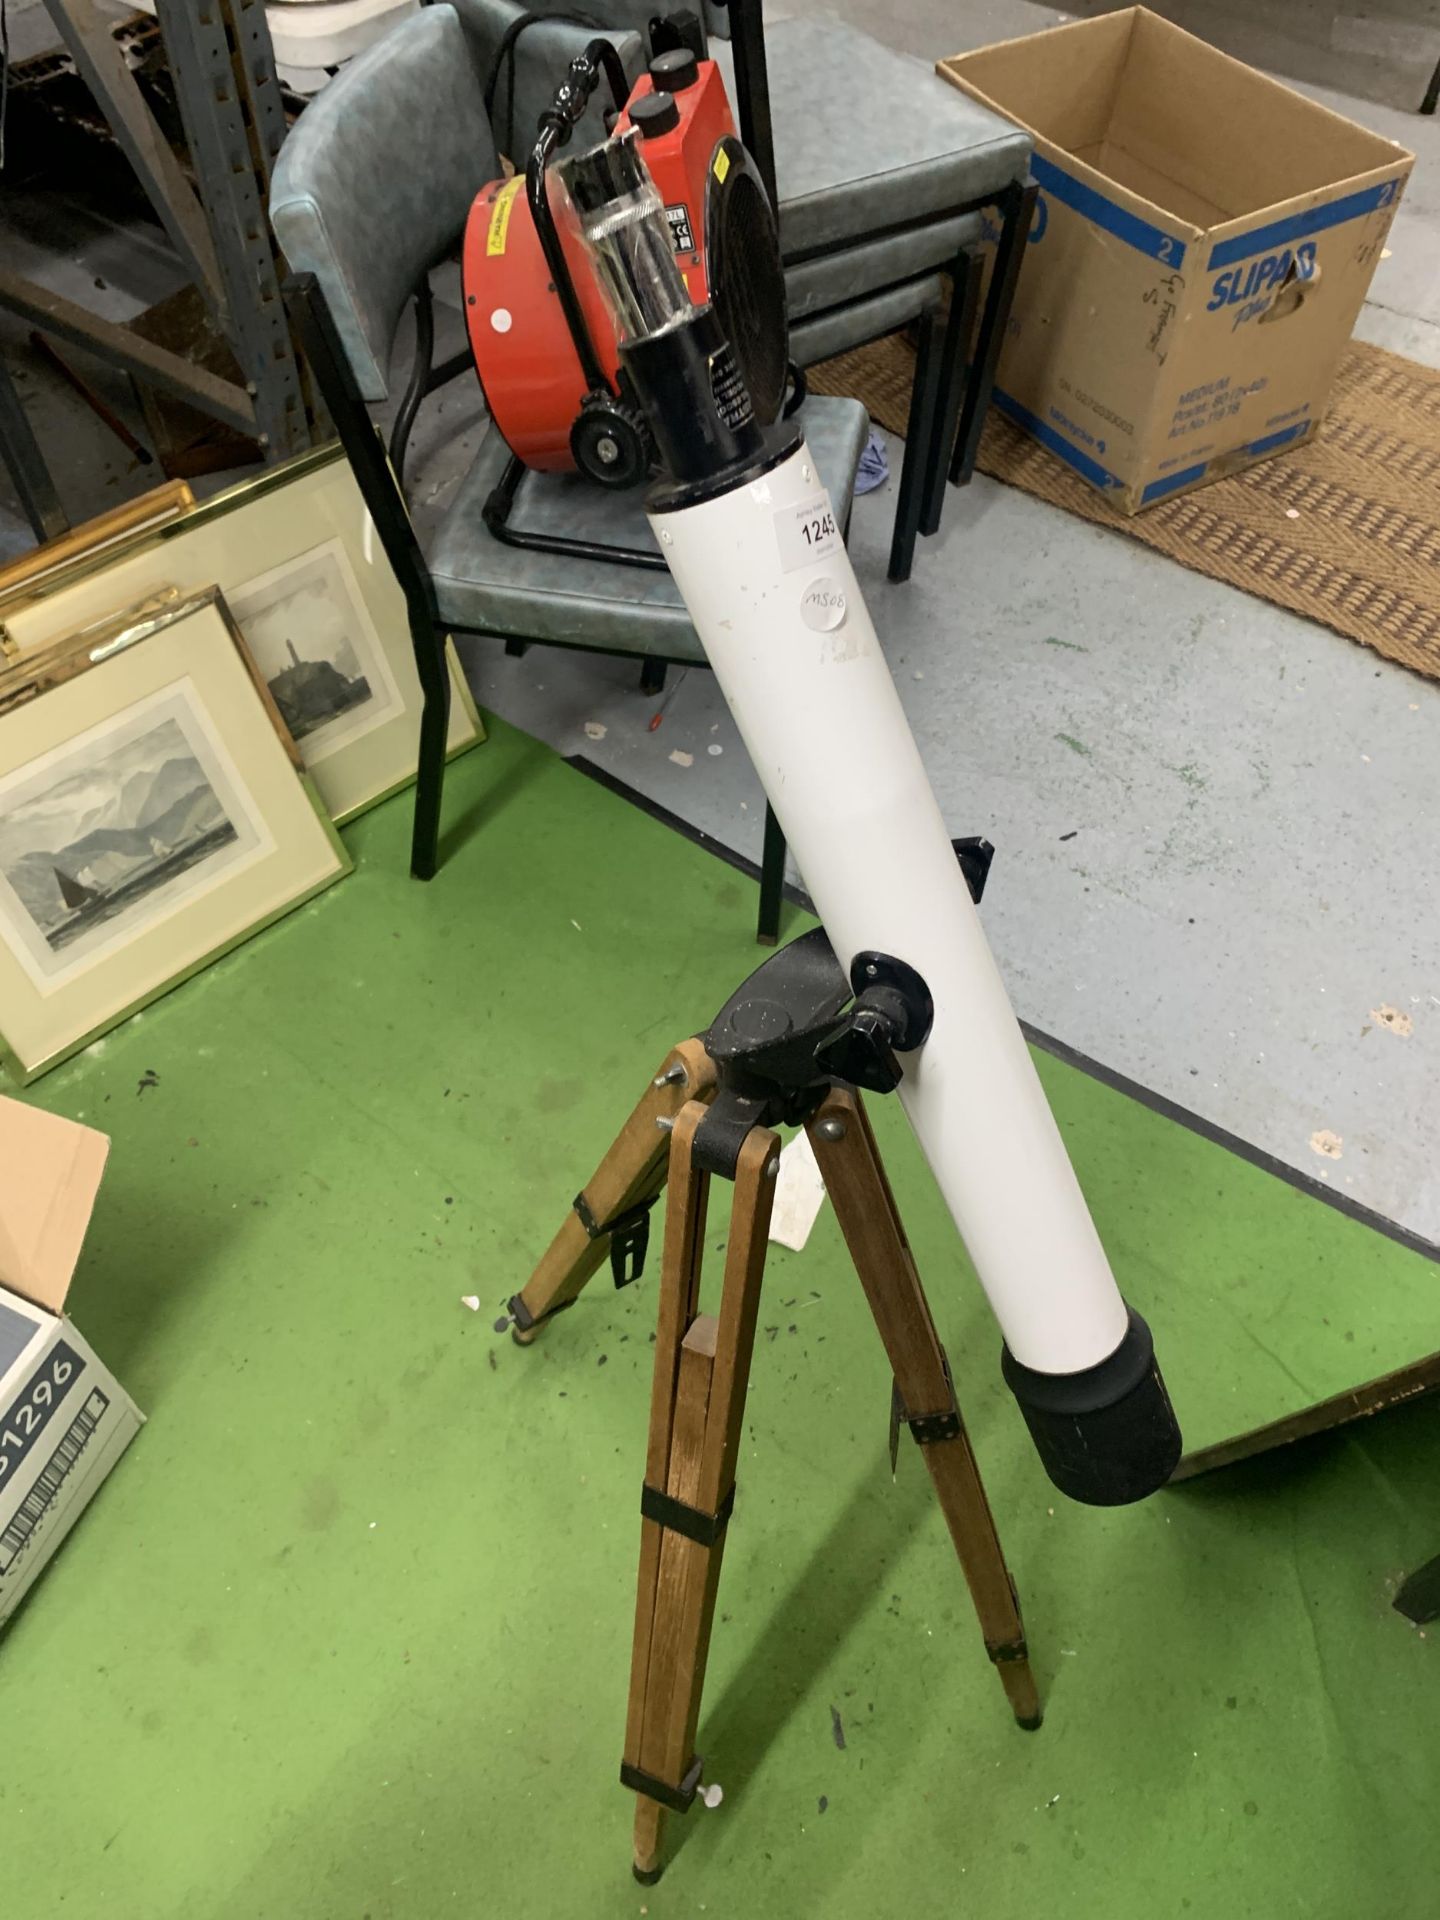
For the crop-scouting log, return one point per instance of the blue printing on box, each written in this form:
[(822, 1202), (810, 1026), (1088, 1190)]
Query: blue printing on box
[(1186, 477), (1126, 226), (1269, 442), (1149, 239), (1297, 226), (1097, 475)]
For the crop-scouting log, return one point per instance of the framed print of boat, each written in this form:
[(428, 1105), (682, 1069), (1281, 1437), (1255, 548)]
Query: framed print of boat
[(295, 555), (154, 813)]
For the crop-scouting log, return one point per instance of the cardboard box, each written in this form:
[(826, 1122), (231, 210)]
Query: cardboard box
[(1202, 243), (64, 1418)]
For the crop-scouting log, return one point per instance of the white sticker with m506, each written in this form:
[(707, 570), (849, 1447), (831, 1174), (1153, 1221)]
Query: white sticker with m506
[(807, 532), (823, 605)]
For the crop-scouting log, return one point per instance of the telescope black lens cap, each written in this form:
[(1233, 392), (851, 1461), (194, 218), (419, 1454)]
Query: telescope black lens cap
[(654, 113), (674, 71)]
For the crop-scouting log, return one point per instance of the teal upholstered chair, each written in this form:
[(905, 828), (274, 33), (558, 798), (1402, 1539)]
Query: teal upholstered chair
[(884, 176), (370, 192), (882, 166)]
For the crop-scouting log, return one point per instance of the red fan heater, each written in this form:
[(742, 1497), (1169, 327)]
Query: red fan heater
[(540, 330)]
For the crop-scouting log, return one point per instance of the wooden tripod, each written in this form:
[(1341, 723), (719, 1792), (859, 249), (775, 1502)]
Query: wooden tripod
[(702, 1366)]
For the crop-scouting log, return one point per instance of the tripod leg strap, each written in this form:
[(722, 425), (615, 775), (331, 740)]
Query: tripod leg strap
[(523, 1317), (678, 1799), (667, 1511), (1013, 1650)]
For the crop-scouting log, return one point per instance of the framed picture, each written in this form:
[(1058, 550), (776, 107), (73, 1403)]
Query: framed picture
[(154, 813), (86, 540), (310, 632), (297, 559)]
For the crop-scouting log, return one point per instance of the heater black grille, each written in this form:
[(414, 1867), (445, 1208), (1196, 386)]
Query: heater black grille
[(747, 282)]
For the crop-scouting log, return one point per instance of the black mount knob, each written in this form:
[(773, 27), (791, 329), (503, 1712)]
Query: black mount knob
[(893, 1013), (860, 1052)]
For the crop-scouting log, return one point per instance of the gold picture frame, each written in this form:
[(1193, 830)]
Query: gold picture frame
[(85, 541), (154, 814), (296, 555)]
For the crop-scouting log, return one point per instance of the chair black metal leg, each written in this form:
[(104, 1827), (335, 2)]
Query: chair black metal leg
[(652, 675), (1019, 207), (965, 277), (772, 880), (752, 88), (1432, 92), (387, 508), (919, 446), (430, 767)]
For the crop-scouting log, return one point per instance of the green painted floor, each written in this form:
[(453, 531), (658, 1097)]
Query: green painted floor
[(347, 1632)]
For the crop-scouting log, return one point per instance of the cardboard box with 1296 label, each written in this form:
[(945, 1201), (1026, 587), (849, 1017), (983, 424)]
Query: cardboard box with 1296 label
[(64, 1418), (1202, 243)]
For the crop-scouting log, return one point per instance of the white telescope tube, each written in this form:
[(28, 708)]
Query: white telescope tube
[(768, 583), (753, 544)]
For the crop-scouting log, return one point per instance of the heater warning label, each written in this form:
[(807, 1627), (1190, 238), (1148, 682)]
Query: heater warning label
[(500, 211), (682, 234)]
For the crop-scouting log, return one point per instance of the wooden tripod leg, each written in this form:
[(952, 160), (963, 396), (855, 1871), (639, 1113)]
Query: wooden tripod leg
[(685, 1214), (632, 1172), (865, 1207), (702, 1369)]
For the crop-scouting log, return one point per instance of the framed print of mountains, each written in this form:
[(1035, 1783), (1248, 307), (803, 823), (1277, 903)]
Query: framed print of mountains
[(153, 813)]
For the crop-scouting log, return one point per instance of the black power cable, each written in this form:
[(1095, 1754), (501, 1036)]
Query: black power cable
[(503, 64)]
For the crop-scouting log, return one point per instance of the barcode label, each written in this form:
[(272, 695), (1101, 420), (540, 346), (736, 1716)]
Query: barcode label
[(53, 1475), (27, 1419)]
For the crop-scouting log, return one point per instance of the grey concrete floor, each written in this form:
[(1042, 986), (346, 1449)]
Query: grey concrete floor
[(1215, 822)]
